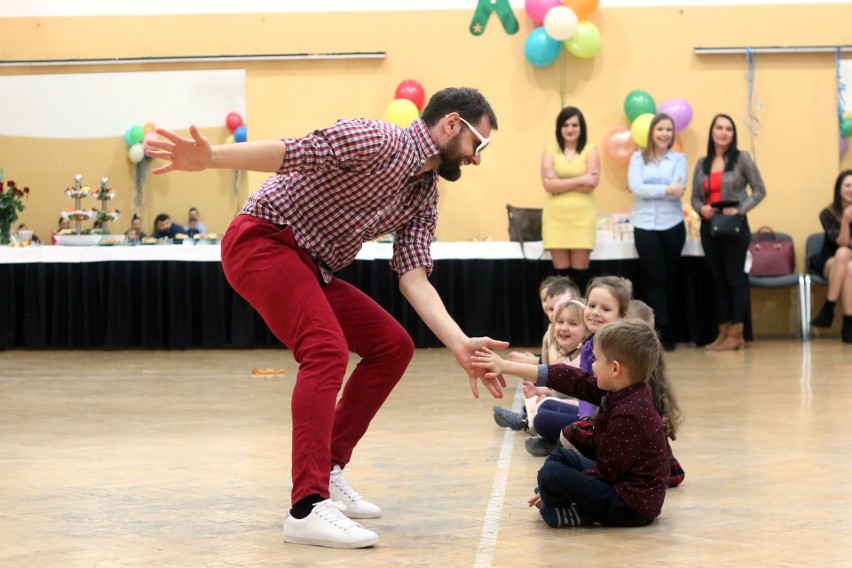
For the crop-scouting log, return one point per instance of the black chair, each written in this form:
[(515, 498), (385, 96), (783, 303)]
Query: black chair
[(812, 248), (784, 281)]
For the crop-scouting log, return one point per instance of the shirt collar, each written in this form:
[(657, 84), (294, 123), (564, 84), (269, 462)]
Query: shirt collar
[(423, 141)]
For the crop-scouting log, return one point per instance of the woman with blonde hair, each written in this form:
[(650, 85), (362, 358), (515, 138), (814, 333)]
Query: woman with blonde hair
[(657, 178)]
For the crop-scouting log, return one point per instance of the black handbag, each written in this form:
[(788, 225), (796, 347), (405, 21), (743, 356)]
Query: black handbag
[(524, 225), (722, 225)]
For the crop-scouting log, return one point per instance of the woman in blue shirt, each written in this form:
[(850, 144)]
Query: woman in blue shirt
[(657, 178)]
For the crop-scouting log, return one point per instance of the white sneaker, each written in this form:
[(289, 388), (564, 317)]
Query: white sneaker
[(356, 506), (328, 526)]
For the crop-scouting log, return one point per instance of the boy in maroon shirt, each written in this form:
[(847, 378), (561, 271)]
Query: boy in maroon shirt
[(625, 485)]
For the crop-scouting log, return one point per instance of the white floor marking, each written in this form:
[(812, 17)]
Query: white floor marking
[(491, 526)]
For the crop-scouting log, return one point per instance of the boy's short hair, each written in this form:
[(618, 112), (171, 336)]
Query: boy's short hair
[(640, 310), (633, 343), (563, 285)]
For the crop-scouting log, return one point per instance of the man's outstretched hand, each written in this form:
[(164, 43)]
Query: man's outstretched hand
[(464, 355), (186, 154)]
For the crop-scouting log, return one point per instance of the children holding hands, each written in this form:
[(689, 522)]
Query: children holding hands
[(625, 485)]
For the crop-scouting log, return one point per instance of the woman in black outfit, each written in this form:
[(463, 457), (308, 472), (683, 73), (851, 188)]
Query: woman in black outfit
[(719, 188)]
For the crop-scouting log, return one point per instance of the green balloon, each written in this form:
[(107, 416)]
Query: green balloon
[(586, 41), (639, 102), (134, 135), (846, 127)]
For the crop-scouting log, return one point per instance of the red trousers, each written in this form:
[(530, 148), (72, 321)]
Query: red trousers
[(320, 325)]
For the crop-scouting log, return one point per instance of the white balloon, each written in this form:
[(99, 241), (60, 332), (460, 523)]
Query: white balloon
[(136, 153), (560, 23)]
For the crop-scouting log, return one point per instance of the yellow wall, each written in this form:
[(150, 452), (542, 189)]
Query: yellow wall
[(647, 48)]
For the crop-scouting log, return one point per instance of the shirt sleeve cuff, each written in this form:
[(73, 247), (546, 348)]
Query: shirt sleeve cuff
[(542, 374)]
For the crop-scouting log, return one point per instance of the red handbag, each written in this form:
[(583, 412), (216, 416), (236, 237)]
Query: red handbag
[(771, 256)]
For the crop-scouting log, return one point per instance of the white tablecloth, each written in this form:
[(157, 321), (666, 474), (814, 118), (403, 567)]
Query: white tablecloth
[(613, 250)]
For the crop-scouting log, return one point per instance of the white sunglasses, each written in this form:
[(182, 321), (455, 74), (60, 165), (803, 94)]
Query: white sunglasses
[(483, 141)]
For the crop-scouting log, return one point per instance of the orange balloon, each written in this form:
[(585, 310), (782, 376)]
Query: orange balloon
[(149, 127), (618, 145), (583, 8), (676, 146)]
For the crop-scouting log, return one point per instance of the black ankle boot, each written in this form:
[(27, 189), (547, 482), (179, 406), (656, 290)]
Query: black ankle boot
[(826, 315), (846, 331)]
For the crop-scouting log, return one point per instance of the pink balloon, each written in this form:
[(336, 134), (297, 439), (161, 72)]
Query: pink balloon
[(844, 146), (618, 145), (537, 9), (679, 110)]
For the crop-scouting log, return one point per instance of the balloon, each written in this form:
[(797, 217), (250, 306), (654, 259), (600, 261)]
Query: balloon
[(844, 146), (240, 133), (413, 91), (401, 112), (230, 139), (136, 153), (618, 145), (638, 102), (149, 127), (233, 120), (679, 110), (538, 9), (676, 146), (583, 8), (560, 23), (541, 49), (134, 135), (586, 42), (145, 146), (639, 129), (846, 127)]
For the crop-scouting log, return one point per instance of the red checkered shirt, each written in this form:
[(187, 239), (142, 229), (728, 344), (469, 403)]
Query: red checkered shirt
[(342, 186)]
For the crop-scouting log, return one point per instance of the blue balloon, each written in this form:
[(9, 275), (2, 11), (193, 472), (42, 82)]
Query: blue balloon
[(541, 49), (240, 133)]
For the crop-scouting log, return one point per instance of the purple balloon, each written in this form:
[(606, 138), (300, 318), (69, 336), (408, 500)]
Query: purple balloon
[(679, 110), (536, 9), (844, 145)]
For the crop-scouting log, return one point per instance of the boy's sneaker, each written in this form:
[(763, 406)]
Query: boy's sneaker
[(509, 419), (539, 447), (328, 526), (356, 506), (556, 517)]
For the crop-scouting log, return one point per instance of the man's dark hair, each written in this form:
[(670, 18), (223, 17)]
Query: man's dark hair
[(469, 103)]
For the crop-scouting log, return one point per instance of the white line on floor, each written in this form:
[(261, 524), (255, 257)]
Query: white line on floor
[(488, 538)]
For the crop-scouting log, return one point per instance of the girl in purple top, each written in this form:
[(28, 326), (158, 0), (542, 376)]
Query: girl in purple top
[(607, 299), (625, 485)]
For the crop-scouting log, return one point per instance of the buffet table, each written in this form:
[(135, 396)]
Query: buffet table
[(176, 296)]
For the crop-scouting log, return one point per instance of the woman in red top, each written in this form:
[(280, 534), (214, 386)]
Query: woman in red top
[(719, 188)]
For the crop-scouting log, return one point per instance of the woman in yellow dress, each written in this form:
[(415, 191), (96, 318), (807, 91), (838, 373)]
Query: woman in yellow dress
[(570, 171)]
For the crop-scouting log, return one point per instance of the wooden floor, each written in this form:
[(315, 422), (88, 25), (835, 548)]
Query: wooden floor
[(181, 458)]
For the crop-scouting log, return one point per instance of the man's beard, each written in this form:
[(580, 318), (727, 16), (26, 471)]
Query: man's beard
[(450, 168)]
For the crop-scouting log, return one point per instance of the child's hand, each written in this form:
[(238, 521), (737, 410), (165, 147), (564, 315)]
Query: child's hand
[(522, 357), (535, 501), (529, 390), (486, 359)]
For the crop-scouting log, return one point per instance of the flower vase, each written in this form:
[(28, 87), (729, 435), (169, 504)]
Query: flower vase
[(5, 234)]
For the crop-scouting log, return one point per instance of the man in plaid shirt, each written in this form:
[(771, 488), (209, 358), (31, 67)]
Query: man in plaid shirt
[(332, 190)]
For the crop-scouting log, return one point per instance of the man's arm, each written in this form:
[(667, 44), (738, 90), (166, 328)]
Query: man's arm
[(423, 297), (196, 154)]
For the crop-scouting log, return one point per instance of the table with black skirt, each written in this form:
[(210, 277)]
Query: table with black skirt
[(176, 296)]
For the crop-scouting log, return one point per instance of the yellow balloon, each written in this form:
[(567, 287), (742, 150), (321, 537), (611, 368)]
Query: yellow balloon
[(639, 129), (401, 112), (230, 139)]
